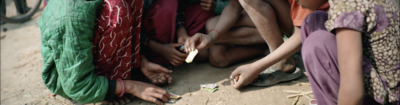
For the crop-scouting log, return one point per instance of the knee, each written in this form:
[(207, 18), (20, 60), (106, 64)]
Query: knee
[(217, 59), (318, 42)]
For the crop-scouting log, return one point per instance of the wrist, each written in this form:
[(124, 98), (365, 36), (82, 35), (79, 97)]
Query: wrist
[(215, 34), (122, 85), (129, 86), (257, 67)]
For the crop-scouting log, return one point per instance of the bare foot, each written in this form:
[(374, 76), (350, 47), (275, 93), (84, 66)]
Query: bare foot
[(286, 66)]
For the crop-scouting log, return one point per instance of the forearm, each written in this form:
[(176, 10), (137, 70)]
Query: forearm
[(288, 48), (219, 6), (155, 46), (351, 90)]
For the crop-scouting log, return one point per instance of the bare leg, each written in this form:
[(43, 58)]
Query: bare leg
[(243, 32), (282, 12), (264, 18), (202, 56), (224, 55)]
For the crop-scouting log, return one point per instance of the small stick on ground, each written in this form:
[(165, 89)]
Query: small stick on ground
[(296, 100), (205, 103)]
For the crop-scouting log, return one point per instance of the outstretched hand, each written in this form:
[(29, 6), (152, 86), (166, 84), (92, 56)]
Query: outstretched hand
[(199, 41), (146, 91), (157, 74), (243, 75)]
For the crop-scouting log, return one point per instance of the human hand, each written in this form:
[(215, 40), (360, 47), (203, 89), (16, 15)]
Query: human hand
[(146, 91), (155, 73), (243, 75), (208, 5), (199, 41), (174, 56)]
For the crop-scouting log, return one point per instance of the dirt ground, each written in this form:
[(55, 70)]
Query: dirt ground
[(21, 81)]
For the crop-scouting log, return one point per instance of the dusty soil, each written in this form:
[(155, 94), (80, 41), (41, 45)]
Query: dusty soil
[(21, 81)]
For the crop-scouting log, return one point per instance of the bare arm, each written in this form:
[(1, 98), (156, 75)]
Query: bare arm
[(247, 73), (288, 48), (349, 46)]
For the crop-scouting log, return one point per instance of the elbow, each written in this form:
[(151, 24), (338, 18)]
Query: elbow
[(351, 96)]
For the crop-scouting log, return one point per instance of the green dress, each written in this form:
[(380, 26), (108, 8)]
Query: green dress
[(66, 36)]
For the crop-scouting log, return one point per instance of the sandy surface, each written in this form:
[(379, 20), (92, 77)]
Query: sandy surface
[(21, 82)]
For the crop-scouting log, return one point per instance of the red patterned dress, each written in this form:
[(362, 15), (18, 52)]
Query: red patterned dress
[(116, 43)]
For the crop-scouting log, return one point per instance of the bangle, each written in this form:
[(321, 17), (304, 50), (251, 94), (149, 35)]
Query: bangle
[(219, 35), (123, 87)]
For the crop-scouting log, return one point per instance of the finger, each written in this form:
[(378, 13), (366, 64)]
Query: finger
[(232, 83), (177, 45), (160, 96), (179, 61), (189, 46), (234, 74), (187, 43), (181, 55), (207, 1), (154, 80), (175, 63), (193, 42), (161, 91), (204, 8), (204, 4), (238, 84), (172, 62), (161, 79), (154, 100), (169, 78)]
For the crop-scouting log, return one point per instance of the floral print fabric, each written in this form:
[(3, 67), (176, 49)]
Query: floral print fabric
[(378, 21)]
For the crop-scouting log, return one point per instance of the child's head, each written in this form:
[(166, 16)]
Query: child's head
[(311, 4)]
